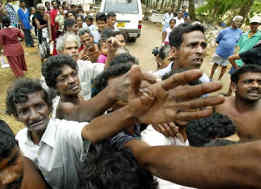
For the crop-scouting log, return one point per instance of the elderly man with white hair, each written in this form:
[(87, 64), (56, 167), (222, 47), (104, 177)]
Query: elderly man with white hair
[(226, 40)]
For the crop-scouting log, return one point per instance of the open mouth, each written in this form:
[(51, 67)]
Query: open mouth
[(37, 125)]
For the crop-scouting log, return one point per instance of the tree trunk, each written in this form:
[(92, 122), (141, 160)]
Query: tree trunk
[(246, 8), (192, 10), (180, 2), (162, 4)]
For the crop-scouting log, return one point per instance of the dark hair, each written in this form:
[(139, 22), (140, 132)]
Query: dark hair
[(220, 142), (101, 16), (68, 23), (52, 68), (162, 51), (172, 19), (101, 81), (83, 31), (204, 130), (6, 21), (107, 33), (19, 92), (123, 59), (176, 35), (110, 14), (121, 32), (107, 167), (89, 17), (250, 68), (7, 140)]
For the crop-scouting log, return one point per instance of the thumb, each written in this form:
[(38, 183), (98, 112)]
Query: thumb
[(135, 76)]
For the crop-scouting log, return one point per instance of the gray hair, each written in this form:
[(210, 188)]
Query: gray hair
[(68, 36), (84, 31)]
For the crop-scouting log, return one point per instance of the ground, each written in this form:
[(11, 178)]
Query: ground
[(142, 49)]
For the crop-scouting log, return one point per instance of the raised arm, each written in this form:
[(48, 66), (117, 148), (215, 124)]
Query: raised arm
[(232, 59)]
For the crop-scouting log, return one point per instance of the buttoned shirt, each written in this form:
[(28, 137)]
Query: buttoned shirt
[(59, 153)]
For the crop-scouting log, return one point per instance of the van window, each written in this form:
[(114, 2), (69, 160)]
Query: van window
[(122, 6)]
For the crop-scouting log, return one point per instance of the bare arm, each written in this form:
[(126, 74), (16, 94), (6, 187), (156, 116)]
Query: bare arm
[(39, 26), (164, 34), (235, 166), (232, 60)]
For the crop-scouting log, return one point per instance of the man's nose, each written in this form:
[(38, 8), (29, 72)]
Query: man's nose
[(33, 114)]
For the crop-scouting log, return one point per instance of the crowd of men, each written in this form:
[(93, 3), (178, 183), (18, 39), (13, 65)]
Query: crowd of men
[(94, 120)]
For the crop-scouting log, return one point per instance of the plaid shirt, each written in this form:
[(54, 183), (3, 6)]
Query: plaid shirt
[(12, 14)]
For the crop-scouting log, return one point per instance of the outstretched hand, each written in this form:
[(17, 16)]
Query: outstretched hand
[(171, 99)]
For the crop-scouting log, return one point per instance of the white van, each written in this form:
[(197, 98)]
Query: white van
[(129, 15)]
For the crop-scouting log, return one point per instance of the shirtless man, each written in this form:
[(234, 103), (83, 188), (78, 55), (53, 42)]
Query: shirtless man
[(244, 108)]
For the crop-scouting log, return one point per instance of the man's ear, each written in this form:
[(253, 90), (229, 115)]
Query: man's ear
[(173, 52)]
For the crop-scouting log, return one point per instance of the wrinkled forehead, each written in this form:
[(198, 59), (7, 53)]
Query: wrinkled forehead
[(193, 37), (250, 76)]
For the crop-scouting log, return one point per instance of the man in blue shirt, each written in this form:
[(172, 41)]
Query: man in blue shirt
[(226, 40), (24, 19)]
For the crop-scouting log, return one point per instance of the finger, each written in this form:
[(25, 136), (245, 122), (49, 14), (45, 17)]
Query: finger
[(200, 103), (188, 116), (171, 129), (188, 92), (135, 76), (181, 79)]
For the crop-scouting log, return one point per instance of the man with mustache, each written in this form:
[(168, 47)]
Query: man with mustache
[(244, 108), (188, 49)]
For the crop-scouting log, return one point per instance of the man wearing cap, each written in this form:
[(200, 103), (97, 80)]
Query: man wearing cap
[(226, 40)]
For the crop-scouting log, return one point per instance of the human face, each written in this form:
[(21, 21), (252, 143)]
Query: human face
[(121, 40), (11, 170), (33, 10), (104, 49), (237, 24), (100, 24), (34, 113), (70, 16), (172, 24), (67, 83), (249, 86), (254, 26), (22, 4), (61, 10), (71, 49), (41, 10), (191, 53), (86, 39), (79, 22), (89, 22), (73, 29), (111, 21), (92, 52)]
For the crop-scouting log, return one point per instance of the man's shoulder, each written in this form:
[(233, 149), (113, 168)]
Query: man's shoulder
[(22, 134)]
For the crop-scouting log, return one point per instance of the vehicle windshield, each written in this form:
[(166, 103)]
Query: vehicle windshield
[(122, 6)]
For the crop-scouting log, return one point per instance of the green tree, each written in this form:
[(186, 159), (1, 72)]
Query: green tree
[(192, 9)]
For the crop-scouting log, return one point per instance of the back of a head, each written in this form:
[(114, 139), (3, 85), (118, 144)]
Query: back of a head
[(107, 33), (250, 68), (6, 21), (110, 168), (101, 81), (110, 14), (123, 59), (7, 140), (51, 69), (204, 130), (18, 93), (176, 35)]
